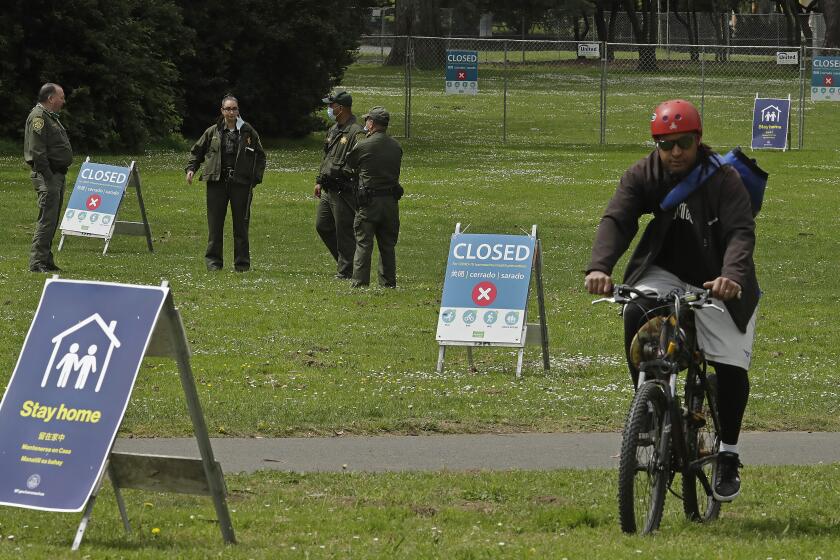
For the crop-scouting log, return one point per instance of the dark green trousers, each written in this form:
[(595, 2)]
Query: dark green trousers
[(334, 223), (219, 195), (380, 220), (50, 198)]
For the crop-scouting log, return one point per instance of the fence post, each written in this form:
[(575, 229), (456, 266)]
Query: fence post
[(382, 35), (702, 80), (604, 56), (504, 96), (408, 63), (802, 53)]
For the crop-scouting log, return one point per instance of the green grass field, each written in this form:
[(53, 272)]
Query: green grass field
[(321, 358), (787, 512), (287, 350)]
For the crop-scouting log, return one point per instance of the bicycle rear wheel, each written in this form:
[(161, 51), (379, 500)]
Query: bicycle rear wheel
[(702, 441), (643, 469)]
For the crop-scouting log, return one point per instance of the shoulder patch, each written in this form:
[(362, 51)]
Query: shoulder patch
[(37, 124)]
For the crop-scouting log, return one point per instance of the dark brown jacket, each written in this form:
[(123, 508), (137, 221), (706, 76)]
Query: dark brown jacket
[(723, 223)]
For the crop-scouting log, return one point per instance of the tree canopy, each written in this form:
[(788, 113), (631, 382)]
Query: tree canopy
[(139, 70)]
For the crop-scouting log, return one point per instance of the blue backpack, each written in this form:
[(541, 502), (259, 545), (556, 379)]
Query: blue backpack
[(753, 177)]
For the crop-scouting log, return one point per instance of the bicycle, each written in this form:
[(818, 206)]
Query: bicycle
[(654, 446)]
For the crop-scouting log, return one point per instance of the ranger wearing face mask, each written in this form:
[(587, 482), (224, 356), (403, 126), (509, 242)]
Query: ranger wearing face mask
[(337, 199)]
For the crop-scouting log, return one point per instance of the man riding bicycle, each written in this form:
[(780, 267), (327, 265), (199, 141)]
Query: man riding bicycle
[(701, 237)]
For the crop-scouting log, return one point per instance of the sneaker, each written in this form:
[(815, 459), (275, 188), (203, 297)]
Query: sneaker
[(727, 481)]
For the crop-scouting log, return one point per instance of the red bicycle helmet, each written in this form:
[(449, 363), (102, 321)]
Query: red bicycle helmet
[(673, 116)]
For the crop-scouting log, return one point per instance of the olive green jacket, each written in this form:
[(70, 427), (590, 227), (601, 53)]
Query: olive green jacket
[(250, 156), (340, 140), (376, 160), (46, 147)]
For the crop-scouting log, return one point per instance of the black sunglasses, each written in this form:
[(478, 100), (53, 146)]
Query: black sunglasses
[(684, 142)]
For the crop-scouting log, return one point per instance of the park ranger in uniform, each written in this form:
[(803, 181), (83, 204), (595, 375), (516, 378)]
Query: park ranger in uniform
[(337, 205), (375, 161), (234, 163), (47, 150)]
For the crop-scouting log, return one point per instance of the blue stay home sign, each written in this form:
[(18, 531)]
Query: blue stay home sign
[(485, 292), (771, 118), (70, 388)]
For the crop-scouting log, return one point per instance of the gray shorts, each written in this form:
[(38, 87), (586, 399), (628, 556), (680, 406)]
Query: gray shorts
[(717, 334)]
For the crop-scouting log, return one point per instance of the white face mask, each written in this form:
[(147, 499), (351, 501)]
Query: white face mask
[(330, 113), (366, 129)]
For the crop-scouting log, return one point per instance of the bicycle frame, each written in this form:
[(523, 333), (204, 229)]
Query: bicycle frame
[(682, 444), (681, 342)]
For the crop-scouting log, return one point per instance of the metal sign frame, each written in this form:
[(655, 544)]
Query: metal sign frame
[(535, 333), (117, 226), (161, 472)]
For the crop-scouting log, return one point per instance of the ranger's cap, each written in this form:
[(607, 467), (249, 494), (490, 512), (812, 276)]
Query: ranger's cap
[(341, 97), (380, 115)]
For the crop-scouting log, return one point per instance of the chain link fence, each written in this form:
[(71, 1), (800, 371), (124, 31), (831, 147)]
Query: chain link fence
[(670, 28), (544, 92)]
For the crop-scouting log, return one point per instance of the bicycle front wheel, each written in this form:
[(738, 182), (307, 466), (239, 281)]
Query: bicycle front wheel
[(644, 465), (702, 442)]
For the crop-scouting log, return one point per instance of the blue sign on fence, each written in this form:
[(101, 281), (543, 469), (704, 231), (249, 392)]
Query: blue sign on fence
[(70, 388), (485, 292), (771, 119), (825, 78), (93, 205), (462, 72)]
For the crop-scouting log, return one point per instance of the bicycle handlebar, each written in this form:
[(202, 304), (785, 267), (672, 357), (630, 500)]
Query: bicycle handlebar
[(693, 297)]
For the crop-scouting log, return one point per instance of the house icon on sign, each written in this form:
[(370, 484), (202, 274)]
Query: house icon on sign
[(71, 363), (771, 113)]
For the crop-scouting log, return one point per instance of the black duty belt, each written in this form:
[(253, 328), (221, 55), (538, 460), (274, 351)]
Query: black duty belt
[(382, 192), (227, 173)]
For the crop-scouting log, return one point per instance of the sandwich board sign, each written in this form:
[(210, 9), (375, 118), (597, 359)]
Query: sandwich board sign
[(462, 72), (69, 391), (771, 123), (825, 78), (485, 293), (95, 201)]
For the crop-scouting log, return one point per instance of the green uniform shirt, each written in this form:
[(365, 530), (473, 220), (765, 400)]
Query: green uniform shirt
[(248, 163), (46, 146), (376, 161), (340, 140)]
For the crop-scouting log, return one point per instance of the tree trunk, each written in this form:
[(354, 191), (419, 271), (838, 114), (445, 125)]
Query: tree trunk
[(418, 18), (604, 28), (831, 13), (792, 31), (647, 53), (600, 23), (690, 24), (719, 22)]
